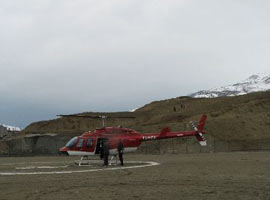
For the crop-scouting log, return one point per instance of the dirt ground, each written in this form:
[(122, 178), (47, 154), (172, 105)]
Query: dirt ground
[(239, 175)]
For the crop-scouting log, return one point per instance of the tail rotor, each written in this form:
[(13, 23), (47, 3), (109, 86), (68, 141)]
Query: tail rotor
[(199, 130)]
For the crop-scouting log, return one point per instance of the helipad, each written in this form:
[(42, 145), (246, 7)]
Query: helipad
[(68, 169)]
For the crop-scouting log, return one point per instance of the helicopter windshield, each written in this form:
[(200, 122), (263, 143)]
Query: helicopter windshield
[(71, 142)]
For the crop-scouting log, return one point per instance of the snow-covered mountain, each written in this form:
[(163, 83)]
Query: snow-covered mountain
[(11, 128), (255, 83)]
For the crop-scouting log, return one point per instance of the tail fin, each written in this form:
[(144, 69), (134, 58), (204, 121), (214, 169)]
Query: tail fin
[(199, 130), (202, 122), (164, 131)]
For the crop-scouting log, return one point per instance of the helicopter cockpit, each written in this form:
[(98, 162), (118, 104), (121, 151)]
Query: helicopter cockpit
[(71, 142)]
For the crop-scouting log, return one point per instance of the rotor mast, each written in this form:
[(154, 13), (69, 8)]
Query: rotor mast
[(103, 117)]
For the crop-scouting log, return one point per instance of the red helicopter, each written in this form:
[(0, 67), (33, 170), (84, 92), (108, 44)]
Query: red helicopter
[(89, 143)]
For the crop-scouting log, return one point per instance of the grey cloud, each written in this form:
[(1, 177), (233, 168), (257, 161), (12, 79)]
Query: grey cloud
[(82, 55)]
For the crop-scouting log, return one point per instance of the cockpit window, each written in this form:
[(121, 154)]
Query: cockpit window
[(89, 142), (71, 142), (80, 143)]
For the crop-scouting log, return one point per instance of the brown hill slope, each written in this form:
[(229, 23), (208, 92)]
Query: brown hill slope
[(243, 118)]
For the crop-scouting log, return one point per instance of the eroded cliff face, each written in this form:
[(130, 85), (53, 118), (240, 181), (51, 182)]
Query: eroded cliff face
[(233, 124), (33, 145)]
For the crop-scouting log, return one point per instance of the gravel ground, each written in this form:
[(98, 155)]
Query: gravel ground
[(238, 175)]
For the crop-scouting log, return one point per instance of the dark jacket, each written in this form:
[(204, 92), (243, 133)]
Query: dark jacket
[(106, 148), (120, 147)]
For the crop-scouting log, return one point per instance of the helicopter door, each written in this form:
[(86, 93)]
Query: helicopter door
[(79, 145), (99, 145), (89, 144)]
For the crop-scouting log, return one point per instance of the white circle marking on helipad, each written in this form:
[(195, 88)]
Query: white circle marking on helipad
[(147, 164)]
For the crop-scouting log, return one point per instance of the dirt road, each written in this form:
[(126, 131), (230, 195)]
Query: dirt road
[(240, 175)]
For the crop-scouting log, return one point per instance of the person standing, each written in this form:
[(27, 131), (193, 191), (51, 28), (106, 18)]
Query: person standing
[(101, 149), (120, 151), (106, 152)]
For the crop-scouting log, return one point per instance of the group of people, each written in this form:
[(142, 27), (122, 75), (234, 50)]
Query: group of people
[(105, 151)]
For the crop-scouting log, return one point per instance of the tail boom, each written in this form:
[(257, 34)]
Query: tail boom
[(166, 133)]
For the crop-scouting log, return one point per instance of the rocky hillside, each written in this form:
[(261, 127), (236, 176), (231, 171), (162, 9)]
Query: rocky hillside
[(255, 83), (245, 117), (239, 123)]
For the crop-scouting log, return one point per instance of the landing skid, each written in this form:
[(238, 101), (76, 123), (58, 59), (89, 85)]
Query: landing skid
[(111, 160), (85, 161)]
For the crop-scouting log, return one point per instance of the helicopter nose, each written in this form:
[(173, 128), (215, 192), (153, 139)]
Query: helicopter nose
[(63, 151)]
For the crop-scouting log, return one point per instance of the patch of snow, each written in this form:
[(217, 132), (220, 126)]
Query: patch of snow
[(254, 83), (133, 110), (11, 128)]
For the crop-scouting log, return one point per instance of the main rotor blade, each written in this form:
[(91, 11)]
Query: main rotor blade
[(82, 116), (96, 117)]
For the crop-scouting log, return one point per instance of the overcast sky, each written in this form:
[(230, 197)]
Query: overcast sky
[(68, 56)]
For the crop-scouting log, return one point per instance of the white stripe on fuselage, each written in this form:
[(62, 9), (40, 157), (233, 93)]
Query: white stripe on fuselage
[(80, 153), (112, 152), (126, 150)]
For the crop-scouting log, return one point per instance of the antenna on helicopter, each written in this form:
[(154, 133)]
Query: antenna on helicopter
[(102, 117)]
